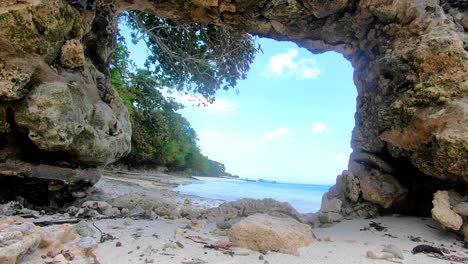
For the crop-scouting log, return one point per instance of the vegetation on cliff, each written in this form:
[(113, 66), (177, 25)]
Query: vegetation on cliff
[(190, 58)]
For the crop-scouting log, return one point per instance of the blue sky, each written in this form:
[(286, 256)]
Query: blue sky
[(291, 121)]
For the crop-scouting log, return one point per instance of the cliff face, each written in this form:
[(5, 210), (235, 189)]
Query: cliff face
[(410, 59), (60, 120)]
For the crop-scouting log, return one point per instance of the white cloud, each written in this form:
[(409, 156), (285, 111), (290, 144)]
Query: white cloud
[(286, 64), (340, 157), (283, 62), (219, 106), (319, 127), (282, 131), (311, 73)]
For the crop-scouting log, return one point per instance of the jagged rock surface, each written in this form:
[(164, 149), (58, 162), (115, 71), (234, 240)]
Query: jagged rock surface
[(410, 60), (443, 213), (266, 233), (247, 207)]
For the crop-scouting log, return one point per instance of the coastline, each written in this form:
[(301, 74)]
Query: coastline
[(209, 178), (159, 240)]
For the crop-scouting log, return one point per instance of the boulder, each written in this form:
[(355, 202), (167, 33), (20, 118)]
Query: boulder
[(263, 232), (329, 218), (247, 207), (14, 244), (443, 213), (382, 189), (74, 123), (332, 205), (351, 186), (461, 209), (16, 239), (138, 203)]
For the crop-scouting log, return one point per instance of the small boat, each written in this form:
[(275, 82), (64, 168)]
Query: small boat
[(266, 181)]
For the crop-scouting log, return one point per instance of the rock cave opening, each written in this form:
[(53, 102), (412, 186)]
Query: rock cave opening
[(410, 60), (397, 185)]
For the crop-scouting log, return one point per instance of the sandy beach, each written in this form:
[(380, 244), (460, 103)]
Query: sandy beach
[(169, 239)]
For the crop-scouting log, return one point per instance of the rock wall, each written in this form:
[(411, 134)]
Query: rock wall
[(410, 59), (56, 105)]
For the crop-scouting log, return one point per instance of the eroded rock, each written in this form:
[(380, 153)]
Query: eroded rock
[(443, 213), (332, 205), (461, 209), (329, 217), (247, 207), (139, 204), (19, 239), (72, 54), (15, 244), (71, 123), (409, 57), (263, 232)]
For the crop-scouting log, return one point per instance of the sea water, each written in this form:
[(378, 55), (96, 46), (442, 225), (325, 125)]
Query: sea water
[(305, 198)]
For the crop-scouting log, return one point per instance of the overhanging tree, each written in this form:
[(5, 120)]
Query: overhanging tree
[(190, 58)]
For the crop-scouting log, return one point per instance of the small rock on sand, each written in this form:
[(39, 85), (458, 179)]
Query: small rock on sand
[(84, 229), (193, 261), (394, 250), (377, 255)]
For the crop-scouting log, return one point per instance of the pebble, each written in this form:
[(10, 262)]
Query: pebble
[(118, 244), (59, 259), (394, 250), (376, 255), (169, 245), (193, 261), (23, 227), (83, 229), (179, 233), (179, 244), (87, 242)]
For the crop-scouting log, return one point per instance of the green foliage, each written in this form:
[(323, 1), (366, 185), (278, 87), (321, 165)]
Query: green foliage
[(193, 58), (188, 57)]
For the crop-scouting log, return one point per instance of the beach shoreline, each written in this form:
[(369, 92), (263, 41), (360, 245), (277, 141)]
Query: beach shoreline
[(159, 240)]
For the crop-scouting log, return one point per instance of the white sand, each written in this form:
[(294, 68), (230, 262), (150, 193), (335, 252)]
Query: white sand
[(348, 244), (143, 240)]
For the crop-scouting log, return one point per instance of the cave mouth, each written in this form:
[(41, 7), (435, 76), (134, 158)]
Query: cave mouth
[(409, 59), (421, 190), (420, 187)]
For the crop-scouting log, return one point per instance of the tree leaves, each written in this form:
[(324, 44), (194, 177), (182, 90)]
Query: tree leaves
[(190, 58)]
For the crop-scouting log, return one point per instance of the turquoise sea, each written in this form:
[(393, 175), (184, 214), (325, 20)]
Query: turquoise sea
[(306, 198)]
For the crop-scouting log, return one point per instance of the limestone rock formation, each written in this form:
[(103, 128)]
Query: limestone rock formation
[(410, 59), (247, 207), (266, 233), (18, 237), (451, 211), (56, 107), (461, 209), (443, 213), (146, 203)]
